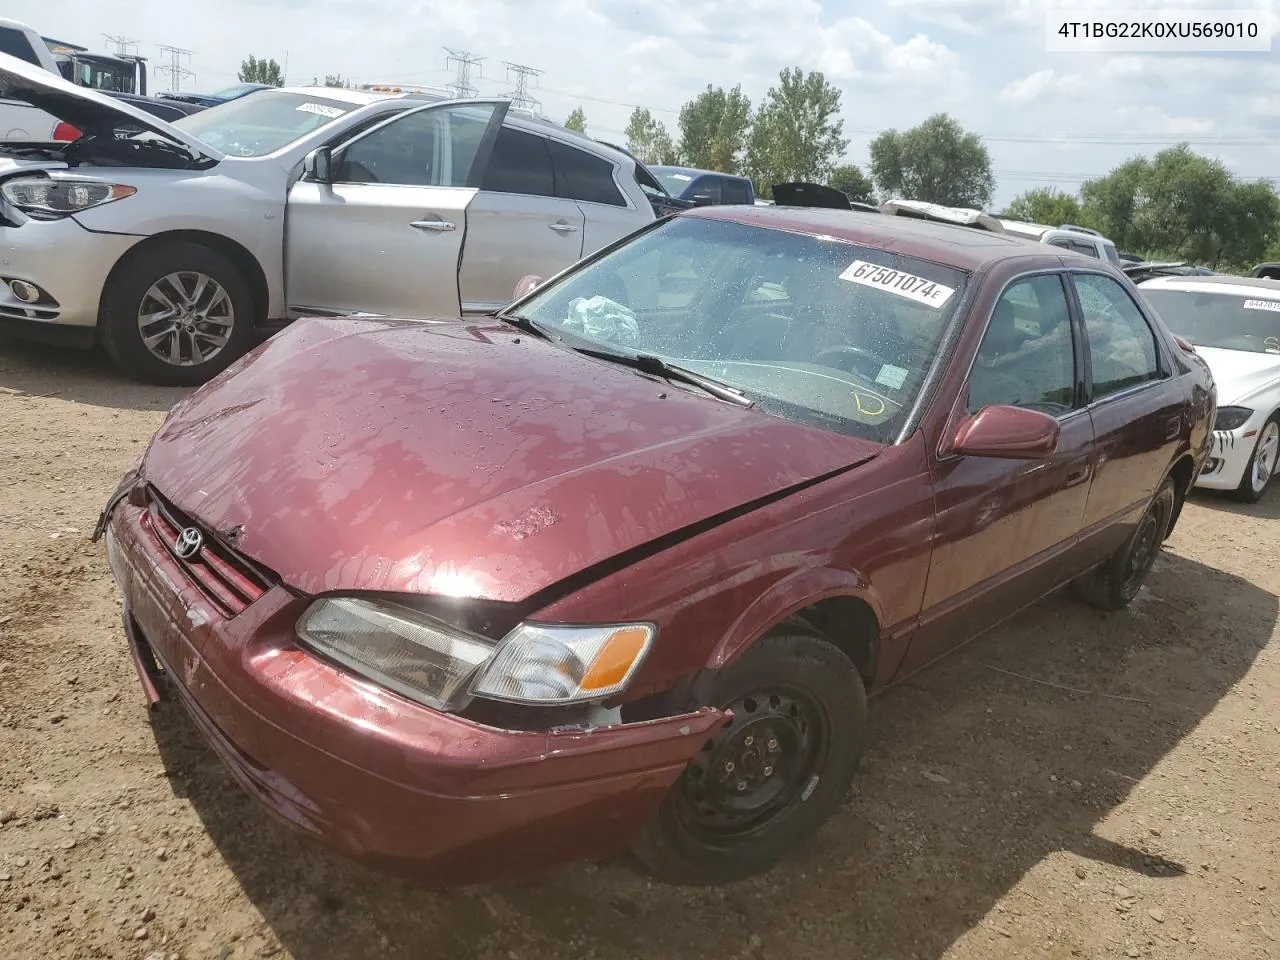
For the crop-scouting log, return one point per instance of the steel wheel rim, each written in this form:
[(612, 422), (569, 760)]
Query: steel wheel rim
[(1263, 467), (741, 783), (1146, 543), (186, 318)]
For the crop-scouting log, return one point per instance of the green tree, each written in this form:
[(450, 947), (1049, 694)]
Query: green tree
[(713, 129), (648, 138), (1112, 202), (577, 120), (335, 80), (797, 133), (253, 70), (937, 161), (852, 182), (1184, 206), (1046, 205)]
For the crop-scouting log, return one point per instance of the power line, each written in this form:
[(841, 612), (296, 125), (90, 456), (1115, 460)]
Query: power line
[(462, 86), (122, 44), (520, 97), (175, 70)]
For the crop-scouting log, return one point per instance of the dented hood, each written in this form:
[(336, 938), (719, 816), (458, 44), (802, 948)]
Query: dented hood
[(461, 459), (88, 110)]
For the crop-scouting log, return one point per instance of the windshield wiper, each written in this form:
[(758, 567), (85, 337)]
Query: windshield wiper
[(648, 363), (523, 323)]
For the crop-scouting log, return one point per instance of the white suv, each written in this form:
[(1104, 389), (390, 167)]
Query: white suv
[(1068, 236)]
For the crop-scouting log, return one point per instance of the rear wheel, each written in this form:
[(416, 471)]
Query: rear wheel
[(772, 775), (1114, 584), (1262, 464), (176, 315)]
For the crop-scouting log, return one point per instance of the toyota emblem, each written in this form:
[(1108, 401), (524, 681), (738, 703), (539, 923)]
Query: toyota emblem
[(189, 543)]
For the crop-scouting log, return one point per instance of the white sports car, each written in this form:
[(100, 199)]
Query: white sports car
[(1234, 324)]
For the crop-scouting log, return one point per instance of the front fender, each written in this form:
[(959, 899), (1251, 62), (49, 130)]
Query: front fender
[(799, 590)]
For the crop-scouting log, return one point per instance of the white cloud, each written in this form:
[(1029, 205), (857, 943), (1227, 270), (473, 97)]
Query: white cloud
[(984, 61)]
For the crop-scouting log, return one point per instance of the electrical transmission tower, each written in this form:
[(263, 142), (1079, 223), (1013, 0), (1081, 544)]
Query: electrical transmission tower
[(122, 45), (463, 61), (520, 97), (174, 69)]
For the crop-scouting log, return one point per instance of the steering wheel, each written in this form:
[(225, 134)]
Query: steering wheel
[(849, 350)]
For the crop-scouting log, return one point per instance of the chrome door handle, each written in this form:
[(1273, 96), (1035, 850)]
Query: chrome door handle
[(439, 226), (562, 227)]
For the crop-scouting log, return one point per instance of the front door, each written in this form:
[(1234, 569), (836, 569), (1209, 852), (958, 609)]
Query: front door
[(1005, 528), (385, 236)]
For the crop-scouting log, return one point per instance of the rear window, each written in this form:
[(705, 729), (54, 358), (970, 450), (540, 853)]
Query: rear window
[(584, 176), (262, 122)]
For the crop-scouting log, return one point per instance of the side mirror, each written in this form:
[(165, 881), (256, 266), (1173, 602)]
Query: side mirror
[(526, 285), (1007, 433), (318, 165), (702, 200)]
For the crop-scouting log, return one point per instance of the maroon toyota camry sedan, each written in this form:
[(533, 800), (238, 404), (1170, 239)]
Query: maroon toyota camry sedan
[(618, 566)]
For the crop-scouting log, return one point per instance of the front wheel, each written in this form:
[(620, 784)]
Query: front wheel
[(1261, 467), (176, 315), (1113, 585), (772, 775)]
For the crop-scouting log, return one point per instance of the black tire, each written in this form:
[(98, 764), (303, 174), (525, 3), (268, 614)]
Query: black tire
[(1249, 491), (683, 844), (1113, 585), (127, 294)]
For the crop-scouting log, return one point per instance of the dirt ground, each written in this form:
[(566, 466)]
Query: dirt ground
[(1071, 785)]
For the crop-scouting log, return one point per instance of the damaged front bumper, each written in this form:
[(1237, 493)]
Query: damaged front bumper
[(380, 779)]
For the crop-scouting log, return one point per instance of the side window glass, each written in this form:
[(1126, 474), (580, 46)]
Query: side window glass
[(707, 190), (426, 148), (583, 176), (1026, 358), (521, 163), (1122, 346), (1058, 242), (735, 191), (15, 44), (1088, 249)]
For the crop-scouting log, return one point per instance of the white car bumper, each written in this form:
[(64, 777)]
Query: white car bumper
[(68, 264), (1231, 455)]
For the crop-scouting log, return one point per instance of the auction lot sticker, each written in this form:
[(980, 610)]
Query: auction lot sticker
[(897, 282)]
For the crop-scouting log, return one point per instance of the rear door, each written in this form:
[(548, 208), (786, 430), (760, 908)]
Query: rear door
[(517, 224), (386, 235), (1134, 402), (592, 182)]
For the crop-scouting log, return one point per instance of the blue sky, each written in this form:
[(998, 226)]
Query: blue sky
[(1050, 119)]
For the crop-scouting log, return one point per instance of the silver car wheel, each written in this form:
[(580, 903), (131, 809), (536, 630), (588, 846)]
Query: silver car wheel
[(186, 318), (1263, 465)]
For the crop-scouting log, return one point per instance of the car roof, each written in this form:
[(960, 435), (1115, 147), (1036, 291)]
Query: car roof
[(1230, 286), (693, 171), (966, 248), (360, 98)]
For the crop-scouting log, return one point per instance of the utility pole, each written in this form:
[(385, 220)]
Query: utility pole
[(462, 88), (175, 70), (122, 45), (520, 97)]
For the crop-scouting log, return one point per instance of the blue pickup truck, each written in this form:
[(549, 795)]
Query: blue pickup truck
[(705, 187)]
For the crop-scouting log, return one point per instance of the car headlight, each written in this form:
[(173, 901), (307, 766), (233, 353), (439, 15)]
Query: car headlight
[(415, 655), (48, 198), (555, 663), (1232, 418), (441, 666)]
